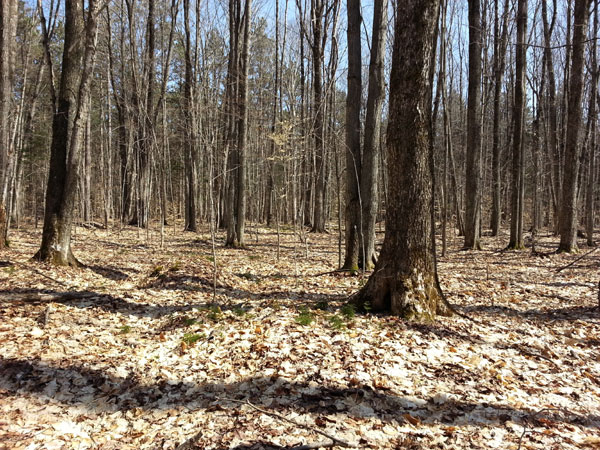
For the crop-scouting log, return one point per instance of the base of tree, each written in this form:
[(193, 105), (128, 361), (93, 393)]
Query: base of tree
[(515, 246), (57, 258), (3, 242), (316, 229), (414, 296), (565, 248)]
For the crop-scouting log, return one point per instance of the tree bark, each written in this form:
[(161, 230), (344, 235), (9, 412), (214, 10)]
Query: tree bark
[(353, 150), (68, 121), (473, 172), (404, 279), (516, 226), (371, 155), (568, 213)]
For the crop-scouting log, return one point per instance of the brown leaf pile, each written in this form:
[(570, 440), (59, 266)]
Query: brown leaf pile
[(136, 350)]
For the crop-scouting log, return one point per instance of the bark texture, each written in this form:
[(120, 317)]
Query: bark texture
[(568, 215), (404, 279)]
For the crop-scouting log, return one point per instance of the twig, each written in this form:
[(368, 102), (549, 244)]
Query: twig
[(40, 273), (190, 443), (525, 428), (325, 444), (577, 259), (336, 441)]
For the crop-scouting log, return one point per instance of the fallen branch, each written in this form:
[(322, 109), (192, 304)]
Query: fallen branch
[(335, 441), (315, 445), (39, 273), (48, 297), (576, 260)]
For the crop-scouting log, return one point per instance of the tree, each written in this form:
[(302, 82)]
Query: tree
[(239, 29), (568, 213), (353, 154), (371, 145), (516, 218), (404, 279), (8, 30), (189, 111), (472, 190), (500, 40), (71, 104)]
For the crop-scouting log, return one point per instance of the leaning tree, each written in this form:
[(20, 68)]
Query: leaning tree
[(404, 281)]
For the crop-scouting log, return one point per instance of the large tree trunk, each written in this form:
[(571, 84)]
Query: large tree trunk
[(568, 213), (404, 280), (516, 223), (67, 131), (353, 156), (472, 190), (591, 153), (371, 154)]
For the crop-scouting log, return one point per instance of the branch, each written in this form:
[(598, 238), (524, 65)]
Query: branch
[(576, 260), (335, 440)]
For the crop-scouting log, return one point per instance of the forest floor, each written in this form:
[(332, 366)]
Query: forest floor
[(135, 351)]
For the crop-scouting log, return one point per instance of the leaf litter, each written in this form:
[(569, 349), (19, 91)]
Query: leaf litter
[(133, 351)]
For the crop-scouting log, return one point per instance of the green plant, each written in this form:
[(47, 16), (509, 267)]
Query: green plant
[(323, 305), (191, 338), (240, 312), (348, 311), (253, 257), (175, 266), (124, 329), (305, 317), (215, 314), (157, 271), (189, 321), (336, 322)]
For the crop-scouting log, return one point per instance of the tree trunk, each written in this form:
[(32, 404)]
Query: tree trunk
[(370, 166), (353, 156), (191, 168), (404, 279), (516, 228), (568, 213), (67, 131), (473, 172), (8, 30), (500, 40)]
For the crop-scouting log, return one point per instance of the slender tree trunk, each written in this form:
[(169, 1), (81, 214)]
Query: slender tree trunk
[(591, 154), (353, 150), (516, 230), (370, 167), (500, 40), (568, 213), (473, 172)]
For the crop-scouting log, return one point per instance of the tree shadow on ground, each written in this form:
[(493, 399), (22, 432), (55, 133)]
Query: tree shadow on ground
[(97, 391), (570, 313), (109, 272), (110, 303)]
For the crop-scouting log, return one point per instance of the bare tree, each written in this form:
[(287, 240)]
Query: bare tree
[(69, 118), (568, 213), (404, 280)]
